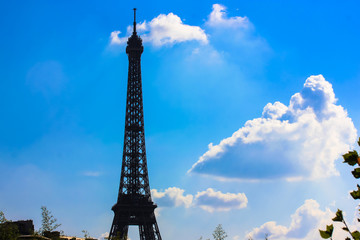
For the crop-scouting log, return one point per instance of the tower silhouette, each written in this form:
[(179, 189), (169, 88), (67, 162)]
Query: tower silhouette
[(134, 205)]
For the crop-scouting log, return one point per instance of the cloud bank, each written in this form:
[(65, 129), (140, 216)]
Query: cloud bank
[(305, 224), (298, 141), (163, 30), (169, 29), (208, 200)]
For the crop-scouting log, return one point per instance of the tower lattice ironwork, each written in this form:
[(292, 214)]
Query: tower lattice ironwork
[(134, 205)]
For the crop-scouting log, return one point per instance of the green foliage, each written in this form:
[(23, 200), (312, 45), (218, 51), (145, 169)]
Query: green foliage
[(339, 216), (219, 233), (8, 231), (356, 235), (2, 217), (352, 158), (356, 173), (356, 193), (87, 234), (48, 222), (328, 232)]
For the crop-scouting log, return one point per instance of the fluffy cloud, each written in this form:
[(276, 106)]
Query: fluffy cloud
[(304, 225), (163, 30), (218, 18), (115, 39), (209, 200), (301, 140), (172, 196)]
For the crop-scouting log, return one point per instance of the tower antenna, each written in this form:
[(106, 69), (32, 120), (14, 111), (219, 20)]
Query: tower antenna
[(134, 20)]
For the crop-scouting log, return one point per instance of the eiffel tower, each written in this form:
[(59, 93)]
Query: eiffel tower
[(134, 205)]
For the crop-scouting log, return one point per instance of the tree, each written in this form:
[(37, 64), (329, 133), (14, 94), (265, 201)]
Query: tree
[(219, 233), (86, 234), (352, 158), (8, 230), (48, 222), (2, 217)]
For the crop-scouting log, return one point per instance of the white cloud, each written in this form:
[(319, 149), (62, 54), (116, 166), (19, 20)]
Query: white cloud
[(301, 140), (172, 196), (234, 36), (115, 39), (164, 30), (275, 110), (169, 29), (305, 225), (270, 228), (218, 18), (209, 200)]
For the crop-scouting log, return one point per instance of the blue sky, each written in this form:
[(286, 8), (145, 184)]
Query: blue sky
[(248, 107)]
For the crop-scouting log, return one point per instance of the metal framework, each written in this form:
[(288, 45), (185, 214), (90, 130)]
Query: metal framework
[(134, 205)]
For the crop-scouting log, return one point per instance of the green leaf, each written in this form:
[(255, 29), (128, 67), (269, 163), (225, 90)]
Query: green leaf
[(356, 193), (356, 235), (339, 216), (351, 158), (328, 233), (330, 229), (356, 173), (359, 141), (324, 234), (347, 238)]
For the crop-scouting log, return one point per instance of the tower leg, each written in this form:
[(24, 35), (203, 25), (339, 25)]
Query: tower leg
[(149, 232), (119, 232)]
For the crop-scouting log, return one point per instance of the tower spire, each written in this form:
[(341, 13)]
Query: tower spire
[(134, 30)]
